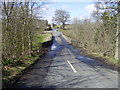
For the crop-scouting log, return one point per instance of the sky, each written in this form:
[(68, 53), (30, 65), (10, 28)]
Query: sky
[(80, 10)]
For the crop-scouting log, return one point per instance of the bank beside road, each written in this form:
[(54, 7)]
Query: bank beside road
[(13, 69), (112, 63)]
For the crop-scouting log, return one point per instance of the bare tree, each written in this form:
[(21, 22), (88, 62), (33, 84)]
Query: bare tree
[(117, 51), (108, 13), (61, 16), (18, 27)]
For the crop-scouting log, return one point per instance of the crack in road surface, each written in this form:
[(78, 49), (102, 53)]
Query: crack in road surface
[(55, 72)]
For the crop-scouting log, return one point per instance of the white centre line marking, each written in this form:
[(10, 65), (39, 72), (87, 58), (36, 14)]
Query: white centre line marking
[(71, 66)]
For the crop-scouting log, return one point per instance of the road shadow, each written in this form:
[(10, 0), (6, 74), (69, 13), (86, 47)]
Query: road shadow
[(85, 59), (35, 78), (37, 73)]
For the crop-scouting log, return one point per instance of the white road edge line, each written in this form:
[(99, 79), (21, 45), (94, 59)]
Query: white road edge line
[(71, 66)]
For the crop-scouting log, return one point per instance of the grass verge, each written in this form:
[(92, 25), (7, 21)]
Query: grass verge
[(115, 64), (12, 68), (111, 62), (40, 38)]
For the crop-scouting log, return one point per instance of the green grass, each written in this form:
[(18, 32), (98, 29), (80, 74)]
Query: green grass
[(10, 74), (61, 30), (40, 38), (108, 59), (13, 67), (9, 71)]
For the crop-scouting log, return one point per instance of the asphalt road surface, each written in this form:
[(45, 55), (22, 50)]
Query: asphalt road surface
[(65, 67)]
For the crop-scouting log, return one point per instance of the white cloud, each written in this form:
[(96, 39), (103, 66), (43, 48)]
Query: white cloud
[(49, 14), (90, 8)]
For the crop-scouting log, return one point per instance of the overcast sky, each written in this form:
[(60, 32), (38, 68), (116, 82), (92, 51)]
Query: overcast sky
[(76, 9)]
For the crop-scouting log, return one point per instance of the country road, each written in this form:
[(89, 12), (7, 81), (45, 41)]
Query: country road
[(65, 67)]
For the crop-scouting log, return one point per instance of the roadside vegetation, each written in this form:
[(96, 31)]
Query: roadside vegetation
[(89, 48), (97, 36), (22, 32), (15, 66), (12, 68), (40, 38)]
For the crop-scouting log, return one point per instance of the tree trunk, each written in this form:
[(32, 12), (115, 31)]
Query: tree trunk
[(30, 32), (117, 51), (63, 26)]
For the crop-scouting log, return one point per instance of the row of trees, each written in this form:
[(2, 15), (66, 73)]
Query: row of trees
[(110, 18), (103, 34), (19, 25)]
